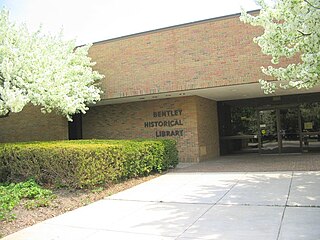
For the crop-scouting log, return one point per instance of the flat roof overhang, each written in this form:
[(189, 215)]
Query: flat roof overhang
[(224, 93)]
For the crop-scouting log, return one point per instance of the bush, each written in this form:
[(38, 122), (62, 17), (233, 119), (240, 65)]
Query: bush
[(85, 163)]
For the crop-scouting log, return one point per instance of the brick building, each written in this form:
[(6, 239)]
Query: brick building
[(196, 83)]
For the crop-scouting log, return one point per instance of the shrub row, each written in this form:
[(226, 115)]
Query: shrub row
[(85, 163)]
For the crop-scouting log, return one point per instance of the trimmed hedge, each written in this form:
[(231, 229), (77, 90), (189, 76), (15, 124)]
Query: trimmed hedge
[(85, 163)]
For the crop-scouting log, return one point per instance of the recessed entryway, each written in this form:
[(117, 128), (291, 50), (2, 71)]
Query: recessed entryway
[(272, 125)]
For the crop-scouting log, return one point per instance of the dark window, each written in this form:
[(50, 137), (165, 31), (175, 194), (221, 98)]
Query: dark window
[(75, 127)]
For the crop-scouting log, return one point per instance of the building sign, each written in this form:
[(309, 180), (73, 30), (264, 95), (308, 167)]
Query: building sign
[(160, 120), (308, 125)]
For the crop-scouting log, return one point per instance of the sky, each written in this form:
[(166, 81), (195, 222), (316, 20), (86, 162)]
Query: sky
[(90, 21)]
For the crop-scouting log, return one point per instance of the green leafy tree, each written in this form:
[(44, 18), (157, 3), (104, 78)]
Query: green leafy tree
[(45, 71), (291, 28)]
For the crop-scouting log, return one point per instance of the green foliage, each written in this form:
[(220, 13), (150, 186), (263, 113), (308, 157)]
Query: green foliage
[(85, 163), (12, 194)]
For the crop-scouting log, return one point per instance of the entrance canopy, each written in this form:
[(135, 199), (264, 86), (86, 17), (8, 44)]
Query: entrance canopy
[(225, 93)]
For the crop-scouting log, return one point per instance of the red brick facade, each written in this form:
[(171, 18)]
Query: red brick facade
[(147, 119), (32, 125), (211, 53)]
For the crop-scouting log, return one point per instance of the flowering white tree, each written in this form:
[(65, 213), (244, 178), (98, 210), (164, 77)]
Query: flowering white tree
[(45, 71), (291, 27)]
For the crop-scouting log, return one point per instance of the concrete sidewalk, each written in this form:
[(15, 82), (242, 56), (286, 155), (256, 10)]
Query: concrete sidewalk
[(182, 205)]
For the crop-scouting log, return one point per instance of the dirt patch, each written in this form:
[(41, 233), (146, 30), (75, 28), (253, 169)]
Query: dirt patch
[(66, 200)]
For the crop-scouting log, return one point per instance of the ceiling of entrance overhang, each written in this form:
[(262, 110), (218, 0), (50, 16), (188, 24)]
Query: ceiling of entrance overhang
[(233, 92), (247, 91)]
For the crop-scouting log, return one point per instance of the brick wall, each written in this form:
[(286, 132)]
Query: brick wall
[(211, 53), (32, 125), (127, 121), (208, 129), (134, 120)]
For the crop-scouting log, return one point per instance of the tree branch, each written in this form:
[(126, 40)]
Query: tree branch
[(304, 34), (1, 77), (311, 4)]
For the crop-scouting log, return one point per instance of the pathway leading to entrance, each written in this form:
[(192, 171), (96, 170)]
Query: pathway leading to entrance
[(198, 204), (257, 163)]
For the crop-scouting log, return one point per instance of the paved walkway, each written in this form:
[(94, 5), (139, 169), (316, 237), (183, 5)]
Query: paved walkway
[(257, 163), (186, 204)]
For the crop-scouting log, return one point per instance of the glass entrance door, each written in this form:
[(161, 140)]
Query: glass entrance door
[(280, 130), (268, 136), (290, 129)]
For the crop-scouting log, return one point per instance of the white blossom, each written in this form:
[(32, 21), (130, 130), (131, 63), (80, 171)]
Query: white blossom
[(291, 29), (45, 71)]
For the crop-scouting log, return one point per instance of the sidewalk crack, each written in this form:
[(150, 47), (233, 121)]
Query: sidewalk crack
[(285, 206)]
